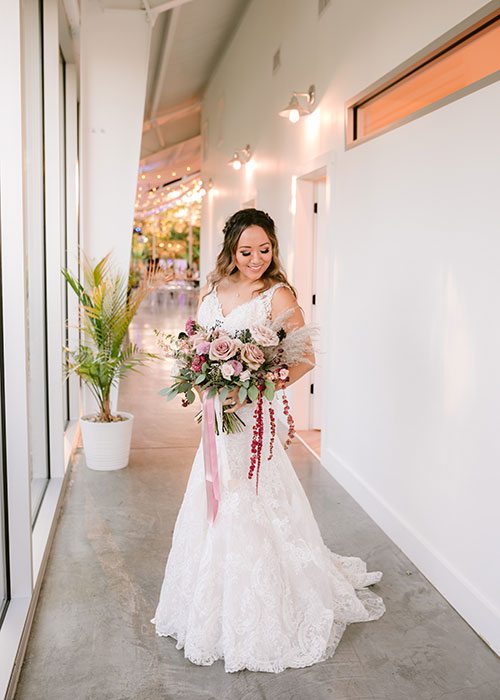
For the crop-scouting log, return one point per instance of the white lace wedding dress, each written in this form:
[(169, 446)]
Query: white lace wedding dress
[(258, 588)]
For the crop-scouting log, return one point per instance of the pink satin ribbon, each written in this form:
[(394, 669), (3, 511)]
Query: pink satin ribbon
[(210, 457)]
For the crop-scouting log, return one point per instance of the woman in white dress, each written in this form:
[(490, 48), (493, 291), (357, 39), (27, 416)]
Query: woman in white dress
[(257, 587)]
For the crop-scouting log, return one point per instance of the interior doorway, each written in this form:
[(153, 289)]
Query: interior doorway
[(311, 281)]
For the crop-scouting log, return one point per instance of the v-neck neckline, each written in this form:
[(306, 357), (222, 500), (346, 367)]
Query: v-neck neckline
[(238, 306)]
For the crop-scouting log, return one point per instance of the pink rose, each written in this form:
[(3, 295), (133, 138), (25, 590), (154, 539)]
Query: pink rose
[(227, 370), (203, 348), (222, 348), (245, 375), (263, 335), (237, 366), (283, 373), (196, 339), (252, 355)]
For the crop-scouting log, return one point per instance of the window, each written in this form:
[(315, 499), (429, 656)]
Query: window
[(34, 213), (451, 68), (4, 540)]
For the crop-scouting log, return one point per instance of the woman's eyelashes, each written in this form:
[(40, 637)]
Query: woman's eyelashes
[(262, 252)]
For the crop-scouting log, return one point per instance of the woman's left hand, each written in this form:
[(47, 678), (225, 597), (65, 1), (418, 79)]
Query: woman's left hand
[(233, 401)]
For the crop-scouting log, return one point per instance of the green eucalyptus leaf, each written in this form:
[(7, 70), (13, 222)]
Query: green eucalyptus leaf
[(269, 393), (253, 392), (212, 392), (242, 394)]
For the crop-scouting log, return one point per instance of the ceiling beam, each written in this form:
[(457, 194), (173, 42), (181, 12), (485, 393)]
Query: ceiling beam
[(175, 148), (178, 112), (165, 6), (161, 74)]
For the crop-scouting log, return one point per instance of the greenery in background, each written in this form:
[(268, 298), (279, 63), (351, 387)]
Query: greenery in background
[(172, 229), (108, 305)]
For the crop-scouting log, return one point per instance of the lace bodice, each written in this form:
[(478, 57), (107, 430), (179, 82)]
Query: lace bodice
[(257, 310)]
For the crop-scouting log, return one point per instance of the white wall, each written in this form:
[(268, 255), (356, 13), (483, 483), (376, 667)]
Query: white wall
[(414, 341), (114, 60)]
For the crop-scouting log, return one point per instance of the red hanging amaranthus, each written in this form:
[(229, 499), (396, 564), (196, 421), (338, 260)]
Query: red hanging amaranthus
[(291, 424), (256, 447), (258, 433)]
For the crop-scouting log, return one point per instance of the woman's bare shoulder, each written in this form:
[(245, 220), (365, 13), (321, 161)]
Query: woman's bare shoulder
[(283, 298)]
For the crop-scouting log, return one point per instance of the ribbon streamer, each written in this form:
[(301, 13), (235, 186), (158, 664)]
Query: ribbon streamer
[(210, 456)]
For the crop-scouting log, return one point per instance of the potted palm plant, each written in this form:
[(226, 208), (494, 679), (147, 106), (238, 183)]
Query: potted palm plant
[(105, 355)]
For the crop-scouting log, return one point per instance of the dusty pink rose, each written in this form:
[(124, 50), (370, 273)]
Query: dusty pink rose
[(252, 355), (237, 366), (223, 348), (203, 348), (263, 335), (227, 370), (196, 339), (245, 375)]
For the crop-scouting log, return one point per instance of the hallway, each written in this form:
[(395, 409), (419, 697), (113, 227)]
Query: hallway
[(92, 638)]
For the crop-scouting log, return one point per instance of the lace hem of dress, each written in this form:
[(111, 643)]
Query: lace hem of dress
[(295, 658)]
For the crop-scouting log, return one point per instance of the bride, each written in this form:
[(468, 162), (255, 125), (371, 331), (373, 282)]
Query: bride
[(257, 587)]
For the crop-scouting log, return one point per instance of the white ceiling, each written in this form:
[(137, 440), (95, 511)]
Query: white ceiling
[(186, 45), (188, 39)]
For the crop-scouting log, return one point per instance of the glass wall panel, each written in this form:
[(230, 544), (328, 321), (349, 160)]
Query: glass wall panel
[(34, 216), (64, 231), (4, 543)]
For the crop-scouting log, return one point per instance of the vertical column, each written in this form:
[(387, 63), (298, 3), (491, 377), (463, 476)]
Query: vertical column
[(72, 213), (53, 225), (114, 62)]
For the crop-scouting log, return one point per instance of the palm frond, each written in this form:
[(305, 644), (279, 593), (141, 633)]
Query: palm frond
[(108, 308)]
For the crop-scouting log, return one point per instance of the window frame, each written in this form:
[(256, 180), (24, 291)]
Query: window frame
[(485, 16)]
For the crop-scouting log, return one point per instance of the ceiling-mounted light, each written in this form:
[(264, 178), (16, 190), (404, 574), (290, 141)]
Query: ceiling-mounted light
[(240, 157), (295, 110)]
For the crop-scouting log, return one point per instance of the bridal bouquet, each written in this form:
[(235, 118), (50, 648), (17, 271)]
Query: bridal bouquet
[(254, 361)]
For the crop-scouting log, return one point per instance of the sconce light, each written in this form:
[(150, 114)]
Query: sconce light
[(240, 157), (294, 110)]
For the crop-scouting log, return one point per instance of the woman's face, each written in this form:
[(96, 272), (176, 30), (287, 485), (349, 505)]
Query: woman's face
[(254, 253)]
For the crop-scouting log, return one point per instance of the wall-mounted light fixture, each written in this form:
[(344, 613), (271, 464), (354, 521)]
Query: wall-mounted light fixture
[(240, 157), (295, 110)]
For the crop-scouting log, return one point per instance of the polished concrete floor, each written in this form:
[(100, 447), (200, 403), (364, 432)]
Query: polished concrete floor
[(92, 638)]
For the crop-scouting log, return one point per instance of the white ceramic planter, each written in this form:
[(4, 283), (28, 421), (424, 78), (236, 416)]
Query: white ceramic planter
[(107, 445)]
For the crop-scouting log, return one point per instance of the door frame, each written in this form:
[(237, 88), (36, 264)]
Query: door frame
[(302, 198)]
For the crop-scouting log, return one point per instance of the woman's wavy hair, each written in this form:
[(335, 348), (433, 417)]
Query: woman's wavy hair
[(232, 231)]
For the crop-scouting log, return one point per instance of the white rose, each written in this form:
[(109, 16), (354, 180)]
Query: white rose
[(227, 370), (245, 375), (263, 335)]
